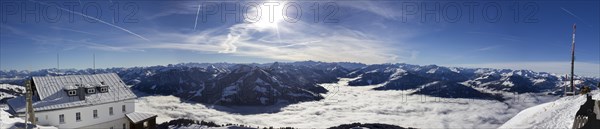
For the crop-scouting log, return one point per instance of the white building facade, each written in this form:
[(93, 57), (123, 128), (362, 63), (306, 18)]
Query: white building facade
[(88, 115), (82, 101)]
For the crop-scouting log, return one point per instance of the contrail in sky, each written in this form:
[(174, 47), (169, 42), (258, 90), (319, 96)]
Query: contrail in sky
[(101, 21), (196, 21), (570, 13)]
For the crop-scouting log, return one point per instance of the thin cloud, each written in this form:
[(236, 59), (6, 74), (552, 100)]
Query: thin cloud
[(339, 44), (470, 52), (93, 18), (487, 48), (578, 18), (379, 8), (507, 37), (104, 47), (13, 30), (287, 41), (72, 30), (176, 8), (414, 55), (197, 14), (300, 41)]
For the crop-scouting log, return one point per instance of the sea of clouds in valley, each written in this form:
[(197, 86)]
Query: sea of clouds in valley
[(347, 104)]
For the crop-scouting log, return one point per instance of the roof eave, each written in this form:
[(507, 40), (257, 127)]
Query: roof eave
[(75, 106)]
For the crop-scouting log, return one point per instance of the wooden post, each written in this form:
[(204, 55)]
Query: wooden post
[(29, 115)]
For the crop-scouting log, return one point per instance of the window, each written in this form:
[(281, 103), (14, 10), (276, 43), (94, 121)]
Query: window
[(72, 92), (145, 124), (78, 116), (124, 126), (61, 118), (36, 119), (103, 89), (95, 113), (112, 128), (110, 111), (91, 91), (123, 108)]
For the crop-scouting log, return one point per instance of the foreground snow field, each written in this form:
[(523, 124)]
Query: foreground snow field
[(14, 123), (5, 121), (555, 114), (347, 104)]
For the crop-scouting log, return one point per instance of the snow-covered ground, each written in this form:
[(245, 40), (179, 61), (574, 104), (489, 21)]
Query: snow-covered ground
[(11, 123), (12, 89), (346, 104), (555, 114), (196, 126), (5, 121)]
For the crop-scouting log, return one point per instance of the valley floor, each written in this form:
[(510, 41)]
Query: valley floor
[(347, 104)]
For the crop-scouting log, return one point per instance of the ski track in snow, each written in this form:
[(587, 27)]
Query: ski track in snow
[(347, 104)]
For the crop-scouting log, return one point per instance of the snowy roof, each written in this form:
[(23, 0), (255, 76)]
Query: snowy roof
[(70, 87), (89, 85), (136, 117), (51, 94)]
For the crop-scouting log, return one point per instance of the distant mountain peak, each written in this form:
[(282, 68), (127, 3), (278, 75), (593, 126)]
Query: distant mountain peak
[(275, 65)]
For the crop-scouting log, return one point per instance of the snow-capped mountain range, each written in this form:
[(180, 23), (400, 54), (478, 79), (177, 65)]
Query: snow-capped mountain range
[(243, 84), (271, 83), (451, 82)]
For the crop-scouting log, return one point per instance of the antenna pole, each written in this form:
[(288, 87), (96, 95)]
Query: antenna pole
[(57, 62), (573, 60), (94, 70)]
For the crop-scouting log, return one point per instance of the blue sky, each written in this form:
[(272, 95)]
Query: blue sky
[(532, 35)]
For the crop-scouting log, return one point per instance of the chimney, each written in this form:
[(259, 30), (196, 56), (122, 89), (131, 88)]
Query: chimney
[(81, 93)]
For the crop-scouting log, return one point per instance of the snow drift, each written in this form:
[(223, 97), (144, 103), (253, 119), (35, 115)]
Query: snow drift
[(555, 114)]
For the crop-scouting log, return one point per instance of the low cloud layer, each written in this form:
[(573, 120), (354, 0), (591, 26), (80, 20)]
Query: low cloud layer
[(345, 104)]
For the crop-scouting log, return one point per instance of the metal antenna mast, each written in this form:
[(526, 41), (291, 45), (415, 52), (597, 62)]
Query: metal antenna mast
[(57, 64), (572, 62), (94, 70)]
